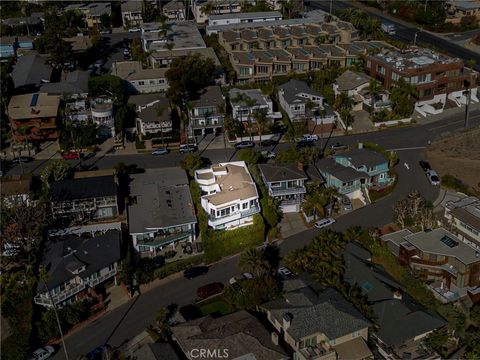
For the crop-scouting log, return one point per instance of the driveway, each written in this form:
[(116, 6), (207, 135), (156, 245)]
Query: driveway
[(362, 122)]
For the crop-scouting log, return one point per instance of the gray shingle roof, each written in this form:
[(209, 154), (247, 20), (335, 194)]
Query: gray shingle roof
[(163, 199), (359, 157), (312, 312), (350, 80), (31, 69), (342, 173), (279, 172), (294, 87), (70, 251), (156, 351), (76, 82), (210, 96), (84, 188)]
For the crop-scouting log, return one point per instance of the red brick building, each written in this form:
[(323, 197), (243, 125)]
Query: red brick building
[(436, 76), (34, 116)]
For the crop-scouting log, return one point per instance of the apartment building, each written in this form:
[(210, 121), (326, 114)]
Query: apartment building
[(183, 35), (140, 80), (207, 112), (229, 195), (450, 266), (132, 13), (77, 266), (245, 102), (34, 117), (85, 199), (464, 216), (175, 10), (286, 184), (227, 19), (438, 78), (92, 12), (161, 213), (201, 9)]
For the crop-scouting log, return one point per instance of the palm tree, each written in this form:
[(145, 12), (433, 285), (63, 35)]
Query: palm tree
[(343, 101), (262, 120), (252, 260), (208, 8), (250, 103), (347, 118)]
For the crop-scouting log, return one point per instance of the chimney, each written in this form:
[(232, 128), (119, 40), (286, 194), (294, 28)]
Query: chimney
[(300, 166), (360, 145), (274, 338), (287, 320), (397, 294)]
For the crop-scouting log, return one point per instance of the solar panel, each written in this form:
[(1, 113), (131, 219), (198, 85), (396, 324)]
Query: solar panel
[(367, 286), (34, 100), (449, 241)]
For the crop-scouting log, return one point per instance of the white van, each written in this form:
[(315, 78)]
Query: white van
[(388, 28)]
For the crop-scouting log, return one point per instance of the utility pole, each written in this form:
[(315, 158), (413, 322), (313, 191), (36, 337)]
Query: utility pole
[(331, 5), (468, 93), (415, 37)]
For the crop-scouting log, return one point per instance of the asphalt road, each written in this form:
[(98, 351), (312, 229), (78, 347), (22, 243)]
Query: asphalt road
[(407, 33)]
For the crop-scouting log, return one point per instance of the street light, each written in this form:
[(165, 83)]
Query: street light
[(415, 37)]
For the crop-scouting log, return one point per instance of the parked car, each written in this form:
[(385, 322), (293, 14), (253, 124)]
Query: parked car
[(161, 151), (304, 144), (188, 148), (244, 145), (432, 177), (134, 29), (106, 31), (247, 276), (284, 272), (72, 156), (338, 146), (43, 353), (234, 279), (424, 165), (195, 271), (206, 291), (346, 203), (99, 63), (22, 159), (308, 137), (324, 223), (269, 155)]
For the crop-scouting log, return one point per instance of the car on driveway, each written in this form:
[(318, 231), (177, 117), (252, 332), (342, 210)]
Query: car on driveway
[(22, 159), (161, 151), (424, 165), (432, 177), (188, 148), (195, 271), (268, 155), (208, 290), (338, 146), (284, 272), (347, 203), (42, 353), (320, 224), (244, 145)]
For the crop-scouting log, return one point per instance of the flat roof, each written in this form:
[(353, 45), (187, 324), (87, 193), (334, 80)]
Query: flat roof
[(133, 70), (36, 105), (161, 199), (183, 35), (251, 15), (443, 242)]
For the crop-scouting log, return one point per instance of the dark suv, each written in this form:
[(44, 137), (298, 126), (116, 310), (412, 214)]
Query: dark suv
[(195, 271)]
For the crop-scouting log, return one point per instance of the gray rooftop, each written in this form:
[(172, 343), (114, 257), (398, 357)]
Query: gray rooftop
[(210, 96), (437, 242), (251, 15), (132, 6), (183, 35), (254, 94), (342, 173), (150, 113), (156, 351), (161, 199), (312, 312), (281, 172), (31, 70), (293, 88), (360, 157), (349, 80), (76, 82), (400, 320)]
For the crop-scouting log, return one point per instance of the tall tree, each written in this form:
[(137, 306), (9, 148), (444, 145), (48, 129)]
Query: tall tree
[(262, 121)]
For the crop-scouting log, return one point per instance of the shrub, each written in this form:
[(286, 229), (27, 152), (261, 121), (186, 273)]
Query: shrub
[(451, 182), (177, 266)]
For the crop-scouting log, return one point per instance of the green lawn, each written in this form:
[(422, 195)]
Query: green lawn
[(216, 305)]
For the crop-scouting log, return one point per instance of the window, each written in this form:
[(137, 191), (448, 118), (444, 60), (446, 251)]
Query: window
[(161, 81), (141, 83), (152, 82), (381, 69), (244, 71), (244, 206), (395, 76), (276, 184), (299, 67)]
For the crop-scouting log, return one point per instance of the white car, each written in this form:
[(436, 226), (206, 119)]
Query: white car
[(43, 353), (324, 223), (247, 276), (284, 272), (134, 29), (161, 151), (433, 178), (269, 155), (308, 137)]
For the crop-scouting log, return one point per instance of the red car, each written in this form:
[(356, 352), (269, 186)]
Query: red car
[(210, 290), (72, 156)]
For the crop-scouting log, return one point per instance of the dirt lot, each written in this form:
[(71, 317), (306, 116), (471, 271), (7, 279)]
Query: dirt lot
[(458, 155)]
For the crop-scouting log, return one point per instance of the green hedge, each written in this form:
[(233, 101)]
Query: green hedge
[(220, 243), (180, 265), (451, 182)]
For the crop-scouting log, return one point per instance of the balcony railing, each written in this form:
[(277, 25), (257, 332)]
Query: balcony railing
[(164, 240), (291, 202), (288, 191), (58, 298), (237, 214), (102, 278)]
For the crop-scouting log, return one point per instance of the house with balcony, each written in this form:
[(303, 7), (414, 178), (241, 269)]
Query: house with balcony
[(16, 190), (245, 102), (464, 215), (356, 86), (285, 183), (175, 10), (450, 266), (136, 79), (207, 112), (403, 324), (34, 117), (161, 214), (249, 17), (153, 115), (131, 13), (300, 102), (85, 199), (318, 323), (229, 195), (218, 7), (354, 171), (92, 12), (77, 267)]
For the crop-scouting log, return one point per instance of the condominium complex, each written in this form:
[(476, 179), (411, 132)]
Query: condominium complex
[(229, 195)]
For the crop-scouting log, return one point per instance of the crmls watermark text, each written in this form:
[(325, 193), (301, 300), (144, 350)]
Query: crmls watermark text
[(209, 354)]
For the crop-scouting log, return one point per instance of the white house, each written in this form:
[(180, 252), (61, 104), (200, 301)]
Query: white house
[(464, 215), (229, 195), (102, 113), (139, 80), (153, 114), (295, 97), (242, 109), (132, 13), (207, 112)]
